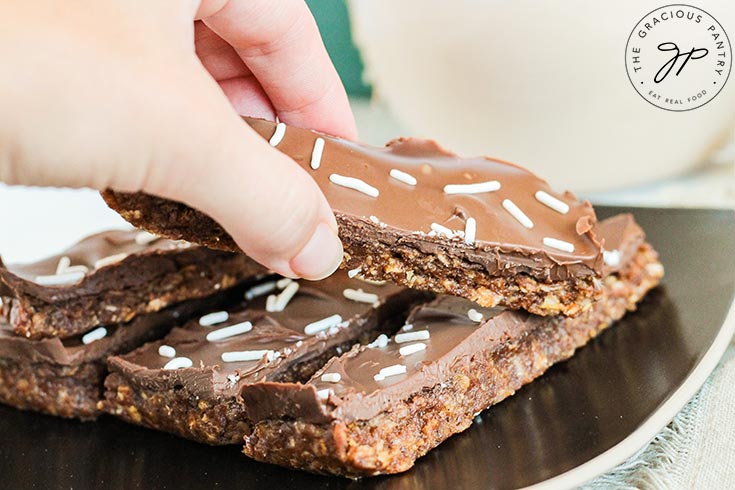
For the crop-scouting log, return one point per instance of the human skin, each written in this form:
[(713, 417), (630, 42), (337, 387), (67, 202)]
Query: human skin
[(139, 95)]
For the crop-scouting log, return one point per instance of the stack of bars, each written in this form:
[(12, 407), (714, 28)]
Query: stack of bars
[(515, 278), (465, 279), (61, 318)]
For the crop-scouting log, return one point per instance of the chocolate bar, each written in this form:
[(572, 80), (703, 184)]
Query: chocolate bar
[(416, 214), (65, 377), (187, 383), (110, 278), (377, 408)]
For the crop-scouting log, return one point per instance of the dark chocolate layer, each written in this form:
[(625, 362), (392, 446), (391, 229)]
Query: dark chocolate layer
[(65, 377), (513, 225), (279, 335), (367, 433), (503, 245), (22, 277), (109, 278), (117, 338), (454, 332)]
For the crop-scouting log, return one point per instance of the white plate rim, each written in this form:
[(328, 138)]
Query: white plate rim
[(640, 437)]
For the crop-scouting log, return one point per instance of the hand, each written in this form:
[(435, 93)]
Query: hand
[(139, 95)]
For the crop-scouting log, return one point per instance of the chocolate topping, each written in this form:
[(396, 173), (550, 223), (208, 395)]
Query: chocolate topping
[(622, 236), (73, 352), (23, 277), (110, 278), (414, 195), (453, 333), (502, 240), (280, 332)]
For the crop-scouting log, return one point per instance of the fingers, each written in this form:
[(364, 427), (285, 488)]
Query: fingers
[(280, 43), (236, 80), (218, 57), (271, 207), (247, 97)]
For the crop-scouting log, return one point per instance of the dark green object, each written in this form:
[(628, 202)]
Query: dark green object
[(334, 24)]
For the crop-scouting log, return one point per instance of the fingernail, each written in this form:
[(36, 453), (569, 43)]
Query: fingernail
[(321, 255)]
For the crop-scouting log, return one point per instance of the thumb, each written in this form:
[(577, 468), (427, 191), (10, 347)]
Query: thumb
[(213, 161)]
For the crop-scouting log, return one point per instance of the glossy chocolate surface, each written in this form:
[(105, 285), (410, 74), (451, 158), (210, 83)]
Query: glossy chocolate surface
[(453, 335), (73, 351), (280, 332), (413, 208), (113, 244)]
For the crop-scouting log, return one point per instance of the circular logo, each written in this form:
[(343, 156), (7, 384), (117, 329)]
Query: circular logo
[(678, 57)]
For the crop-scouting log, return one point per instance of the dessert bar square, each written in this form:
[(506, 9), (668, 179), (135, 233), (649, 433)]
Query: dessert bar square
[(111, 278), (187, 383), (65, 377), (420, 216), (376, 409)]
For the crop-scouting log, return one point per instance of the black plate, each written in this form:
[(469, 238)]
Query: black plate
[(579, 419)]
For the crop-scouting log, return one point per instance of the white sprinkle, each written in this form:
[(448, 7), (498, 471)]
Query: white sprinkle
[(352, 273), (282, 300), (331, 377), (374, 219), (474, 315), (214, 318), (407, 327), (178, 363), (324, 394), (470, 229), (559, 244), (403, 176), (278, 134), (407, 350), (393, 370), (442, 230), (516, 212), (611, 257), (109, 260), (270, 302), (182, 244), (144, 238), (60, 279), (412, 336), (96, 334), (489, 186), (247, 355), (323, 324), (76, 268), (316, 153), (552, 202), (166, 351), (231, 331), (379, 343), (64, 263), (282, 283), (374, 282), (260, 290), (232, 379), (360, 296), (353, 183)]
